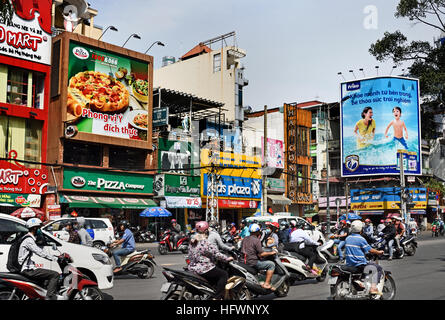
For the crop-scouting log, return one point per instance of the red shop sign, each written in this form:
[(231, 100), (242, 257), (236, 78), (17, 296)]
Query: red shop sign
[(15, 178), (237, 204)]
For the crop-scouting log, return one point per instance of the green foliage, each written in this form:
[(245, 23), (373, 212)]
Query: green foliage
[(6, 11), (435, 185)]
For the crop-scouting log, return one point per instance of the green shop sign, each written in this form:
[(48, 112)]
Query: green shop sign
[(277, 185), (89, 180), (177, 185)]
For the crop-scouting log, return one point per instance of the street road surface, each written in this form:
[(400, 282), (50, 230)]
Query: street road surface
[(421, 277)]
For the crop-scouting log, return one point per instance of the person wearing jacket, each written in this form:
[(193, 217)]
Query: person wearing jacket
[(389, 233), (283, 234), (215, 238), (85, 238), (203, 256), (27, 249)]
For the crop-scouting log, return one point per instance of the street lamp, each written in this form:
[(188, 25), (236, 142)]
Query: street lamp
[(159, 43), (134, 35), (109, 27)]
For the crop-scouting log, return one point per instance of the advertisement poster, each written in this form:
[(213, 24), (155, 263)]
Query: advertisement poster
[(108, 94), (385, 198), (275, 153), (29, 35), (380, 116), (175, 156), (235, 187)]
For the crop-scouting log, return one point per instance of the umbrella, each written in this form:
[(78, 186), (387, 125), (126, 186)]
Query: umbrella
[(26, 213), (155, 212)]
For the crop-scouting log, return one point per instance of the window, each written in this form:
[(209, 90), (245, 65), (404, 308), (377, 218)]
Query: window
[(82, 153), (240, 95), (217, 62), (23, 87), (10, 230), (57, 226), (97, 224), (23, 136), (124, 158)]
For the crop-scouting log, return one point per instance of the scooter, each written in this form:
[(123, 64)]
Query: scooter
[(295, 264), (280, 279), (186, 285), (409, 244), (380, 244), (329, 251), (166, 243), (140, 263), (346, 284), (72, 284)]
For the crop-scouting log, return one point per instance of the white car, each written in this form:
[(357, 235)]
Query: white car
[(315, 234), (100, 229), (91, 261)]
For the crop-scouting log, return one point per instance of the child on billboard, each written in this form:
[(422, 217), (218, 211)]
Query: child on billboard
[(399, 126)]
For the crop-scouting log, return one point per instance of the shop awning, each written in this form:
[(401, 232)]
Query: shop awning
[(371, 213), (106, 202), (332, 211), (417, 212), (279, 199)]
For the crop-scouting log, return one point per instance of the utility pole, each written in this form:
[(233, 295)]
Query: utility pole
[(402, 189), (263, 172), (328, 215)]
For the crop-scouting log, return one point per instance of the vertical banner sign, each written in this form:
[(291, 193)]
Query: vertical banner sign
[(108, 93), (379, 117)]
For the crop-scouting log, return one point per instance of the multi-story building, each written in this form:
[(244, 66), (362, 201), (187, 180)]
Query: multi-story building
[(215, 74)]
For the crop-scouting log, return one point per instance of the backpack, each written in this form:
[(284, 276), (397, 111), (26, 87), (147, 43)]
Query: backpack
[(13, 264)]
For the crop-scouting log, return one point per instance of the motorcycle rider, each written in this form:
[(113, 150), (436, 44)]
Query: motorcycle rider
[(389, 233), (214, 237), (368, 230), (412, 226), (301, 243), (85, 238), (26, 250), (233, 231), (283, 234), (400, 230), (203, 255), (381, 226), (340, 236), (355, 249), (252, 249), (176, 230), (73, 235), (271, 234), (128, 244), (244, 229)]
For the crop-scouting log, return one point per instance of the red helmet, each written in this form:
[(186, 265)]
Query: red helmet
[(382, 221), (201, 226), (343, 221), (273, 224), (173, 221), (388, 220), (367, 220)]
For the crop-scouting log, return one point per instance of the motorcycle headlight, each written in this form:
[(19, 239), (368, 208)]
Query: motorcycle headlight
[(101, 258)]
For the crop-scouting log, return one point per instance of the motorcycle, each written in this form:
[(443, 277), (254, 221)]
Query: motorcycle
[(280, 279), (166, 243), (329, 250), (435, 231), (72, 284), (346, 284), (409, 244), (295, 264), (186, 285), (140, 263), (379, 243)]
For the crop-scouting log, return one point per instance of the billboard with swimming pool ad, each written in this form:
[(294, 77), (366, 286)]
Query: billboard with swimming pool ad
[(380, 117)]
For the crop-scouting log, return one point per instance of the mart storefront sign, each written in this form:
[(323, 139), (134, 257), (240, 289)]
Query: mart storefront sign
[(89, 180)]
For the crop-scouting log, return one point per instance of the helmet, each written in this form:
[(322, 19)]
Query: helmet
[(33, 222), (343, 222), (254, 227), (173, 221), (124, 223), (201, 226), (244, 222), (274, 225), (367, 220), (232, 224), (293, 223), (284, 224), (382, 221), (356, 226), (388, 220), (348, 222), (213, 224)]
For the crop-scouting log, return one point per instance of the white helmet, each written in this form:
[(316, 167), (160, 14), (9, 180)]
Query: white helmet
[(254, 227), (33, 222), (356, 226)]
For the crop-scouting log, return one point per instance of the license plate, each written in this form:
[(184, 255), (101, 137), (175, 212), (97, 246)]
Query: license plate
[(332, 280), (165, 287)]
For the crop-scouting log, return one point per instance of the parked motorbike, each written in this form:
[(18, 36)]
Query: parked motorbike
[(186, 285), (280, 279), (72, 284), (295, 264), (409, 244), (345, 284), (166, 243), (139, 263)]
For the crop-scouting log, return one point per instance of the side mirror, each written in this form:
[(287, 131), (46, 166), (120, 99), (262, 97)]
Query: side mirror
[(54, 246)]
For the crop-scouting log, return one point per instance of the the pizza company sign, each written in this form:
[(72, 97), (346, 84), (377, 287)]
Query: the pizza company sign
[(26, 39), (103, 184)]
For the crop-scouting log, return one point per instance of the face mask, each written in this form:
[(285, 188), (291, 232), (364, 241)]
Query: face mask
[(268, 231), (38, 232)]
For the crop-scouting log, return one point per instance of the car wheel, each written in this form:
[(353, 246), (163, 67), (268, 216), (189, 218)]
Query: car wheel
[(98, 244)]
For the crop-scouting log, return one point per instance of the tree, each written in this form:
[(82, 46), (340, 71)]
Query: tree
[(6, 11), (428, 58)]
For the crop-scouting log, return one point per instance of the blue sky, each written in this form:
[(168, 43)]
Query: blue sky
[(295, 48)]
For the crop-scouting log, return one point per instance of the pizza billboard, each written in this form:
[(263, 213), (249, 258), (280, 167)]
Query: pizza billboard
[(380, 119), (108, 93)]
